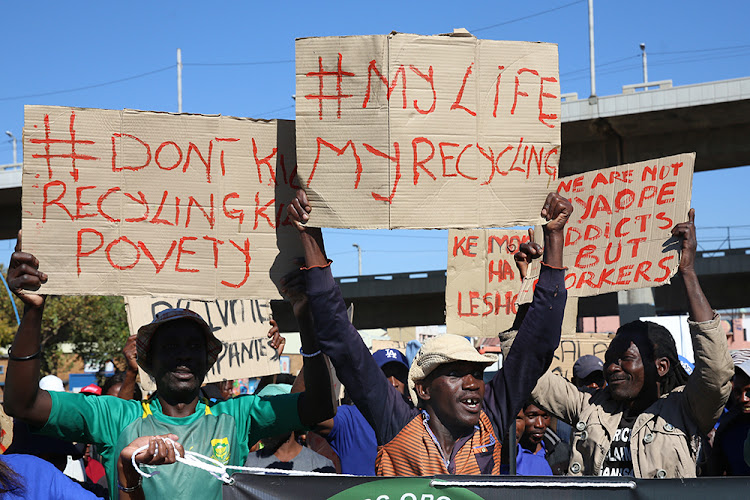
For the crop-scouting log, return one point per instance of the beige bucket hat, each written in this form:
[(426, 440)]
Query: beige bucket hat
[(439, 351)]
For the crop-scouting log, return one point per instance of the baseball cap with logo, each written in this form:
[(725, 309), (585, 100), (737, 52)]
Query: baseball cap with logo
[(146, 334), (385, 356)]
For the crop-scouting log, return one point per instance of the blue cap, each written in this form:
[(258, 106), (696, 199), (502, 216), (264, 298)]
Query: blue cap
[(384, 356)]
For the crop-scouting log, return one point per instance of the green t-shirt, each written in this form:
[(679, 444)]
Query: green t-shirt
[(221, 431)]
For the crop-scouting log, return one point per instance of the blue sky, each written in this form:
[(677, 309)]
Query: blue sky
[(239, 60)]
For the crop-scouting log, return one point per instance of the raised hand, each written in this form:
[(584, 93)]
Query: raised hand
[(557, 211), (686, 232), (299, 209), (277, 342), (527, 252), (24, 275)]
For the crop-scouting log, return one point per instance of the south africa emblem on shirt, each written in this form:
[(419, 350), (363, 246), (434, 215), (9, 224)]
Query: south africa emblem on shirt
[(220, 450)]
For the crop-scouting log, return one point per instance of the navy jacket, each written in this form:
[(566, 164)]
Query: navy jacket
[(382, 405)]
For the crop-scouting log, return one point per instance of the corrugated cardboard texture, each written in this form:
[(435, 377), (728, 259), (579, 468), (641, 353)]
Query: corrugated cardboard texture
[(241, 325), (409, 131), (481, 292), (620, 234), (482, 281), (144, 203)]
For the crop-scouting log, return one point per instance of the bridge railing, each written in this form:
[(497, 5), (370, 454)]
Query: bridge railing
[(720, 238)]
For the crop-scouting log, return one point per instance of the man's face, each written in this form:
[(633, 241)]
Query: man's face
[(741, 392), (396, 373), (455, 393), (623, 368), (530, 426), (179, 357), (594, 380)]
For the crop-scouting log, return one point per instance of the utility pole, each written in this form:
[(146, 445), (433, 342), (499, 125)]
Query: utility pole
[(179, 81), (645, 64), (359, 259), (591, 48), (15, 150)]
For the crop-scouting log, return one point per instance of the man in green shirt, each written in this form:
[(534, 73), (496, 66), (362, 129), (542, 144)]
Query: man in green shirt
[(177, 349)]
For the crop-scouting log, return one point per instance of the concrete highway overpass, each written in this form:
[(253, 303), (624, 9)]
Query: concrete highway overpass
[(417, 299)]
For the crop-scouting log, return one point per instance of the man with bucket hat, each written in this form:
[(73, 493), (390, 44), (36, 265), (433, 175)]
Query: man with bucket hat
[(177, 348), (460, 423)]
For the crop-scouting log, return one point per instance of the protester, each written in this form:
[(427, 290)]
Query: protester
[(531, 459), (29, 477), (460, 426), (114, 385), (588, 372), (728, 452), (648, 420), (349, 433), (177, 348), (283, 451)]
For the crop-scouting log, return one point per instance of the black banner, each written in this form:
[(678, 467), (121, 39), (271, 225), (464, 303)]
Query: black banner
[(250, 486)]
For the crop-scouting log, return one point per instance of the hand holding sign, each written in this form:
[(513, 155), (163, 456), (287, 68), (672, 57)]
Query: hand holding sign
[(527, 252), (299, 210), (556, 211), (686, 232), (24, 274)]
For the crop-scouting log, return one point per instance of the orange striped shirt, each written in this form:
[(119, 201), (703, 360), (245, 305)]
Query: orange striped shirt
[(414, 452)]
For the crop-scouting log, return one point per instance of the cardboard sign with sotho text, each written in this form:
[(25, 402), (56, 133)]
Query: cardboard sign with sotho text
[(482, 281), (241, 325), (620, 234), (392, 129), (144, 203)]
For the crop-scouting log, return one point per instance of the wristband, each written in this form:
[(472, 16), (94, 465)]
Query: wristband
[(305, 355), (36, 355), (132, 488)]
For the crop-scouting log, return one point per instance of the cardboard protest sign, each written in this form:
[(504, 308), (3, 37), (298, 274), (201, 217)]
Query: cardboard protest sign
[(481, 292), (573, 347), (241, 325), (619, 237), (392, 129), (144, 203), (482, 281)]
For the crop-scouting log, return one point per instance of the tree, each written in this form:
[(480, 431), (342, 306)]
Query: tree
[(96, 326)]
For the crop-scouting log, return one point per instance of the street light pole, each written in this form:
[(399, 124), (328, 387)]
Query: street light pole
[(645, 64), (179, 80), (359, 259), (15, 153), (592, 67)]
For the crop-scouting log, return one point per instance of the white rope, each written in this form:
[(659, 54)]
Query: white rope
[(631, 485), (216, 468)]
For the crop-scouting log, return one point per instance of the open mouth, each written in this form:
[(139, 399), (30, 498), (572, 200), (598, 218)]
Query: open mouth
[(472, 404)]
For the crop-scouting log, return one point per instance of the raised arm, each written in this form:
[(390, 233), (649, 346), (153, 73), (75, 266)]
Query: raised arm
[(23, 397), (710, 384), (316, 403), (127, 389), (380, 403), (539, 332)]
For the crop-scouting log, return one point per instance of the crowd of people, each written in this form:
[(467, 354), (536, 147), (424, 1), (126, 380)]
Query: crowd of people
[(637, 413)]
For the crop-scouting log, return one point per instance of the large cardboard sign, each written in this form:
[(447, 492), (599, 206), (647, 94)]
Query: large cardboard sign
[(241, 325), (409, 131), (619, 237), (144, 203)]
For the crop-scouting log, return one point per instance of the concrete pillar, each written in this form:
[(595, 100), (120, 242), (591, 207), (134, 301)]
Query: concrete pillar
[(634, 304)]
